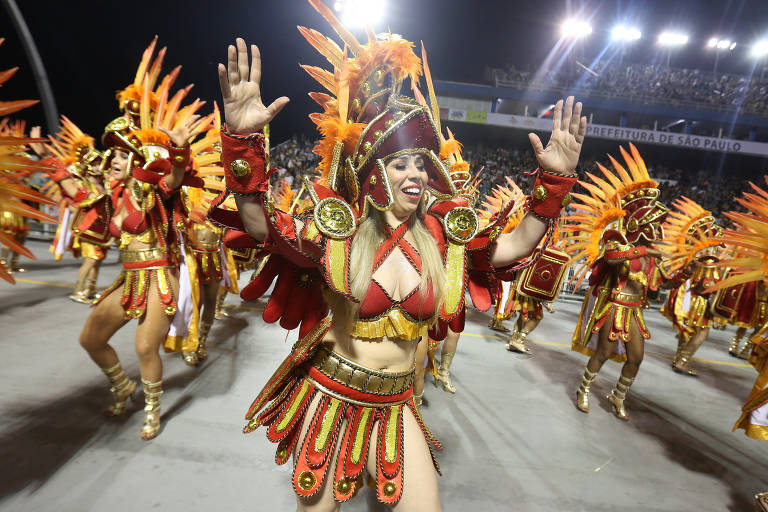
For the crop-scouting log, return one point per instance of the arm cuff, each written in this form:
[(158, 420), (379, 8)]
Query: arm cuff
[(551, 193)]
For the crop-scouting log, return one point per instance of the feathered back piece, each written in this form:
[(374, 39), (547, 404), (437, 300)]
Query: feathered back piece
[(15, 165), (620, 199), (495, 202), (458, 169), (746, 240), (357, 87), (689, 230), (70, 144)]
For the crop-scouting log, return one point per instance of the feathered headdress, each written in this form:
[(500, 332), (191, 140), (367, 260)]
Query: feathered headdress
[(625, 201), (140, 133), (497, 199), (71, 146), (746, 240), (689, 231), (129, 99), (364, 120)]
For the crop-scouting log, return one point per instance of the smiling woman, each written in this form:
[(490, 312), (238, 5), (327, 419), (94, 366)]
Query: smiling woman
[(388, 248)]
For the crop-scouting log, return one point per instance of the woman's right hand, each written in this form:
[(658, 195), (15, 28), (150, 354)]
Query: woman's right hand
[(244, 111)]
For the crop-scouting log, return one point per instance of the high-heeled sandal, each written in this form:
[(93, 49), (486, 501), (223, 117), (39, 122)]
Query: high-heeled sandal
[(152, 393), (122, 389), (618, 395), (681, 364), (444, 372), (582, 394), (516, 343)]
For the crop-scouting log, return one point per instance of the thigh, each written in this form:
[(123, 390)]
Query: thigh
[(154, 325), (420, 479), (604, 344), (636, 346), (322, 501), (106, 318)]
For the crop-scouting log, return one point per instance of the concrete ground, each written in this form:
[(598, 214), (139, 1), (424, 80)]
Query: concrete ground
[(513, 438)]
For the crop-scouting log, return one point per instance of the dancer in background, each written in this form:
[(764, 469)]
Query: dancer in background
[(86, 209), (621, 263), (689, 232), (748, 252), (147, 164)]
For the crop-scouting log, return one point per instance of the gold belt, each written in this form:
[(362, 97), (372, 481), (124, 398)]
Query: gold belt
[(360, 378), (206, 248), (143, 255), (626, 297)]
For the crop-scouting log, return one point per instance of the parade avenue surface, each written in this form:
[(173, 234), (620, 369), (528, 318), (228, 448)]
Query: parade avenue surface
[(512, 437)]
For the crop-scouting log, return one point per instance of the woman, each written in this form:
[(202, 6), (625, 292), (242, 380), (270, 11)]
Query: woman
[(146, 169), (203, 243), (345, 390), (622, 264), (85, 204), (691, 233)]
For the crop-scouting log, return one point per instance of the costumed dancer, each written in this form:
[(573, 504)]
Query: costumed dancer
[(15, 166), (612, 228), (371, 251), (466, 188), (747, 241), (148, 163), (535, 288), (751, 313), (492, 204), (205, 266), (689, 231), (85, 210)]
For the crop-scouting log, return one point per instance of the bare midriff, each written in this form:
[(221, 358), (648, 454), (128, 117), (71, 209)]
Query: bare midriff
[(382, 354)]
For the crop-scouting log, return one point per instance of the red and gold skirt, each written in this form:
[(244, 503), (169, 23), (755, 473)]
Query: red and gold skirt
[(625, 309), (529, 308), (139, 267), (353, 401), (698, 312), (13, 223), (90, 250), (209, 266)]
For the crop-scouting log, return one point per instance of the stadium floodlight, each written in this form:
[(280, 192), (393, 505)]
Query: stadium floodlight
[(359, 13), (624, 33), (721, 44), (672, 39), (576, 28), (760, 49)]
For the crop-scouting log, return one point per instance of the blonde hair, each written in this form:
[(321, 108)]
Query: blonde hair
[(369, 236)]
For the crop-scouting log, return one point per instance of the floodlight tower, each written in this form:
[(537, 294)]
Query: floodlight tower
[(575, 30), (359, 13), (719, 45), (760, 52), (671, 40), (624, 35)]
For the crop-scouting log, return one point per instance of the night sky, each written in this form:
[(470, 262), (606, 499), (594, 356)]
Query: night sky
[(91, 48)]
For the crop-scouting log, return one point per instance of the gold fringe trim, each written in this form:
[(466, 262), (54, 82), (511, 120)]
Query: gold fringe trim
[(393, 324)]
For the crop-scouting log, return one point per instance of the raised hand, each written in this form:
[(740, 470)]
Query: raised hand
[(181, 135), (244, 111), (38, 147), (568, 128)]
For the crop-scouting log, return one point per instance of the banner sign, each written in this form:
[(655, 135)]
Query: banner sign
[(601, 131)]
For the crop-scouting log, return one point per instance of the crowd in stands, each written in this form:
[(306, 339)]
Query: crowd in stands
[(651, 83), (294, 159)]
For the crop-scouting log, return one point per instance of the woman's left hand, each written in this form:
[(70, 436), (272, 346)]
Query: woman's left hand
[(181, 135), (568, 128)]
